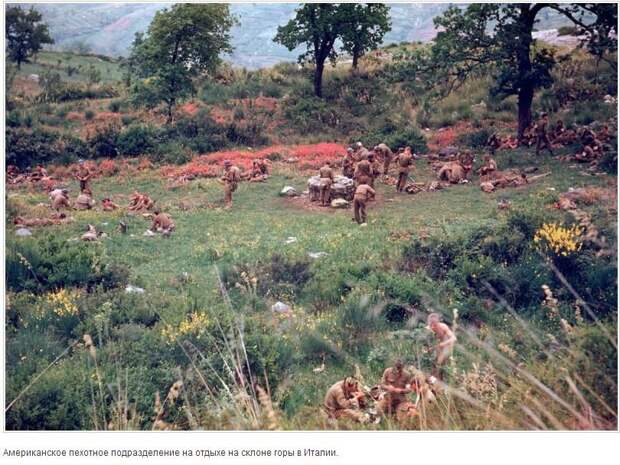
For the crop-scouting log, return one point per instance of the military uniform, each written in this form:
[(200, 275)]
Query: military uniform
[(542, 139), (162, 222), (386, 154), (362, 173), (404, 161), (348, 166), (327, 178), (83, 176), (231, 178), (84, 202), (396, 403), (363, 193), (338, 404)]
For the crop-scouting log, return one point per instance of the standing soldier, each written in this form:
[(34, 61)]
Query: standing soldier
[(493, 142), (447, 339), (348, 164), (386, 154), (363, 193), (361, 152), (327, 178), (230, 178), (542, 139), (375, 168), (362, 174), (404, 162), (83, 175)]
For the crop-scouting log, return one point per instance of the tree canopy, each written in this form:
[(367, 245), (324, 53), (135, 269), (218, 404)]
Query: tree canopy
[(180, 43), (365, 28), (318, 26), (497, 38), (25, 34)]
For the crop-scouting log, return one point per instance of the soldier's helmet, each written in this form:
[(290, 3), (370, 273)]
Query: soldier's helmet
[(349, 150), (359, 145), (227, 163)]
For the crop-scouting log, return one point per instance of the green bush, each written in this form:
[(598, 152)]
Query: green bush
[(170, 153), (137, 140), (105, 142), (49, 263), (13, 119), (89, 115), (475, 139)]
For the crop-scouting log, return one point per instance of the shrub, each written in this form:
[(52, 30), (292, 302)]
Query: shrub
[(89, 115), (104, 142), (13, 119), (395, 134), (49, 263), (25, 148), (137, 140), (172, 153), (475, 139)]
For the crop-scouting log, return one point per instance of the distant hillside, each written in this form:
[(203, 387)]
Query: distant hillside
[(109, 28)]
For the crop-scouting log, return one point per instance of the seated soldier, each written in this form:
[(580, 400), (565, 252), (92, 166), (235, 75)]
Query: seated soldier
[(60, 199), (85, 200), (162, 222), (91, 234), (558, 131), (489, 166), (343, 400), (397, 383), (604, 135)]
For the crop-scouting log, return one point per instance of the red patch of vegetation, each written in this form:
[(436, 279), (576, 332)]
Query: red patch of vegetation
[(305, 156), (108, 167), (73, 116), (108, 117), (190, 108)]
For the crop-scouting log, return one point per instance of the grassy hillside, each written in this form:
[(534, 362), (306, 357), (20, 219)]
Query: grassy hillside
[(201, 347)]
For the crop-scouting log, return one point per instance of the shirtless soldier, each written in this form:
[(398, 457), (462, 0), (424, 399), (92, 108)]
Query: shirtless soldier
[(363, 193), (343, 400), (404, 162), (447, 339), (230, 178), (397, 383), (542, 139), (327, 178)]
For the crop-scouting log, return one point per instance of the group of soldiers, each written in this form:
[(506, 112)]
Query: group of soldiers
[(161, 222), (347, 399), (543, 137)]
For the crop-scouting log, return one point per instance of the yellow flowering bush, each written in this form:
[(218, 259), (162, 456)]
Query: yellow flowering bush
[(63, 302), (559, 240), (196, 325)]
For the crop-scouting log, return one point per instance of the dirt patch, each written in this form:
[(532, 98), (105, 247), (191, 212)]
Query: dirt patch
[(303, 203)]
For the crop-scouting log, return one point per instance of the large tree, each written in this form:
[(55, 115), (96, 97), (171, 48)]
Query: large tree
[(498, 38), (25, 34), (366, 25), (317, 26), (180, 43)]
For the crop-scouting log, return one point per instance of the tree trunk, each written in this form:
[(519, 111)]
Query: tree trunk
[(524, 62), (355, 58), (318, 78), (170, 106), (526, 95)]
